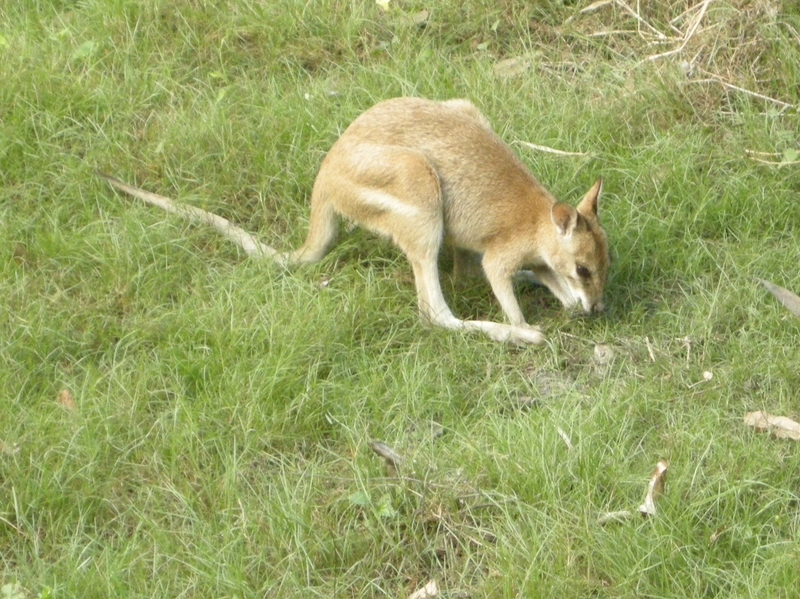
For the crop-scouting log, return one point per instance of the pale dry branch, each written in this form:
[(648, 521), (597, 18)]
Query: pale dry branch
[(780, 426), (758, 153), (387, 453), (790, 300), (725, 84), (550, 150), (687, 36), (611, 32), (654, 488), (691, 9), (639, 19), (650, 349), (772, 162)]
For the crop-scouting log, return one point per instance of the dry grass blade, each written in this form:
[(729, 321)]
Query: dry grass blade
[(784, 296), (595, 6), (640, 20), (650, 349), (691, 9), (780, 426), (565, 438)]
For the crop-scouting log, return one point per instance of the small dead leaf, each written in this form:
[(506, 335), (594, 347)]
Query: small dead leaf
[(392, 458), (614, 516), (525, 402), (717, 534), (512, 67), (84, 51), (603, 354), (780, 426), (420, 18), (654, 488), (384, 4), (66, 401), (707, 376), (436, 430), (790, 156), (429, 590), (784, 296), (9, 448), (21, 255)]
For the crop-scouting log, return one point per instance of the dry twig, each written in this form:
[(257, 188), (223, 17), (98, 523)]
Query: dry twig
[(687, 36), (650, 349), (640, 20), (387, 453), (725, 84), (564, 438), (654, 488), (549, 150), (772, 162)]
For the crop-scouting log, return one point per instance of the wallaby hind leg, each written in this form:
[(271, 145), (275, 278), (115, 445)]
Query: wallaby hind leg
[(392, 191), (322, 229)]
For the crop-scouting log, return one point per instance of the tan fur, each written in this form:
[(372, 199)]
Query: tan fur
[(428, 174)]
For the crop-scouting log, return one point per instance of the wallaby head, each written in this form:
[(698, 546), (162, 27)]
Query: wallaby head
[(577, 256)]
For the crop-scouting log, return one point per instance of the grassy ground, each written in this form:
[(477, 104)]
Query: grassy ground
[(213, 441)]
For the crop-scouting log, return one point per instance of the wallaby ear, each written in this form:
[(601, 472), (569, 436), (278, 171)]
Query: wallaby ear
[(588, 205), (564, 217)]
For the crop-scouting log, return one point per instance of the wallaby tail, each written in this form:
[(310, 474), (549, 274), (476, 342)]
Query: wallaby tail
[(240, 237)]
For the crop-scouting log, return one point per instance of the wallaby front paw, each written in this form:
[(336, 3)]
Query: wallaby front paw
[(526, 335), (518, 335)]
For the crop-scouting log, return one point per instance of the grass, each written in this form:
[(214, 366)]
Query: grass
[(218, 442)]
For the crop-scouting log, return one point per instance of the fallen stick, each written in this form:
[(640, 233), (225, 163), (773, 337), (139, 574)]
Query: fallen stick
[(387, 453), (688, 35), (622, 4), (723, 83), (549, 150)]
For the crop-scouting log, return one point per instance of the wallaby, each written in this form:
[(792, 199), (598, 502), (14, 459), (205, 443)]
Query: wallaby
[(428, 174)]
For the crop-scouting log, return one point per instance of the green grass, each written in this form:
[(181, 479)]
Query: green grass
[(219, 447)]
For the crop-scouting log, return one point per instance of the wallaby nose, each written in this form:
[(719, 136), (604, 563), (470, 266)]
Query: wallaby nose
[(598, 307)]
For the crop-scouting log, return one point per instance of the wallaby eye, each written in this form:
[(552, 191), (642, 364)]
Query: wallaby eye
[(582, 271)]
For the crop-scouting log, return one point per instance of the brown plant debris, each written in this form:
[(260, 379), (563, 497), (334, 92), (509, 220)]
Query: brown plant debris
[(780, 426), (654, 488), (784, 296)]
